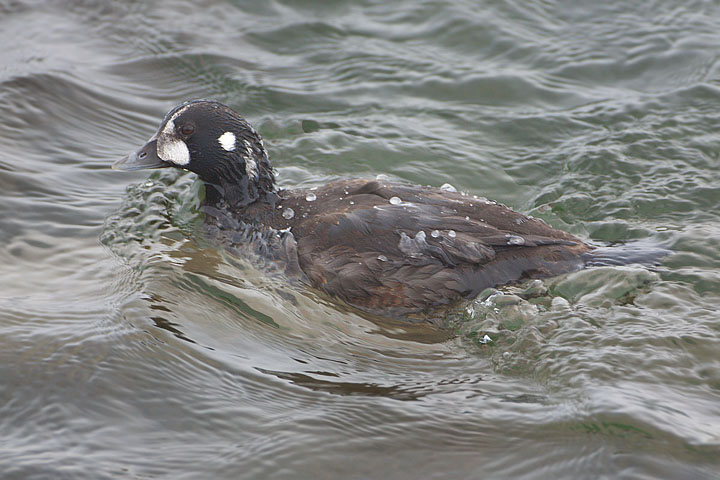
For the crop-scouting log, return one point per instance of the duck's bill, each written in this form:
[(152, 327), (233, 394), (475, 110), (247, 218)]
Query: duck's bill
[(145, 157)]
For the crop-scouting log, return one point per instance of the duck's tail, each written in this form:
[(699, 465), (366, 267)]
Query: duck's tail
[(644, 252)]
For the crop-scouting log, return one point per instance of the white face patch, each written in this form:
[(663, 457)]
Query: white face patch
[(174, 151), (227, 141), (170, 148), (169, 129)]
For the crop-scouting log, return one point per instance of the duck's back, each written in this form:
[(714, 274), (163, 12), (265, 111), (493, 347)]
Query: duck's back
[(395, 249)]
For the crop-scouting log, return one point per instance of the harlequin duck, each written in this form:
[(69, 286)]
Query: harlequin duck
[(384, 247)]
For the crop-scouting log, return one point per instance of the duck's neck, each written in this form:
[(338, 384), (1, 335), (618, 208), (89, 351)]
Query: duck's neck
[(240, 181)]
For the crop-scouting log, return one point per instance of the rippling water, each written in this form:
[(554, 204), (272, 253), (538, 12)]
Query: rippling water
[(130, 347)]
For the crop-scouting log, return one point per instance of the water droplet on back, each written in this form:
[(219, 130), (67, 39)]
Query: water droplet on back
[(288, 213), (446, 187), (395, 201), (382, 258), (451, 233), (435, 233), (515, 240), (310, 197)]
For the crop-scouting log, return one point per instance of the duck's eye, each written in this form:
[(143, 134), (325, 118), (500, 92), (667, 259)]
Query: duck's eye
[(187, 129)]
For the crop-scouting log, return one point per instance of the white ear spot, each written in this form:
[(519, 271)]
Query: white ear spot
[(227, 141)]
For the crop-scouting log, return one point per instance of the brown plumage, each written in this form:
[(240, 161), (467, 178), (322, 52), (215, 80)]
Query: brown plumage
[(384, 247), (394, 259)]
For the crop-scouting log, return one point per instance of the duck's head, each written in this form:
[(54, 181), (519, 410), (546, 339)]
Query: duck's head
[(211, 140)]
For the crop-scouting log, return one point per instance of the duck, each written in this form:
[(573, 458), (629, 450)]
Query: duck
[(384, 247)]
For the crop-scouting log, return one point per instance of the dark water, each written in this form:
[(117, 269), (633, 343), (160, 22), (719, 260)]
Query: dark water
[(130, 347)]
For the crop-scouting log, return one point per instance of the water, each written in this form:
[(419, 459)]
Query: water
[(130, 347)]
